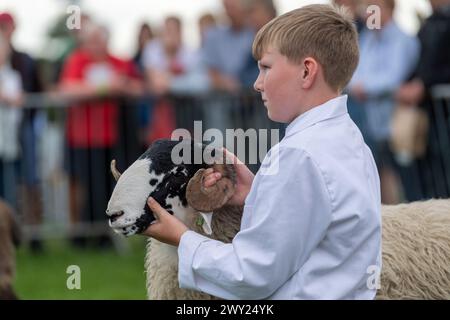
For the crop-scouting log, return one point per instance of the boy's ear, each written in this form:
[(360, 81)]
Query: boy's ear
[(309, 72)]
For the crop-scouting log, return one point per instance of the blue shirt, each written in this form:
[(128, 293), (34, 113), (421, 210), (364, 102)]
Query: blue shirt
[(227, 50), (311, 226), (387, 57)]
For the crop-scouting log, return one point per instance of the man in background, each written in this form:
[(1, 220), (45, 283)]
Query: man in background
[(30, 194)]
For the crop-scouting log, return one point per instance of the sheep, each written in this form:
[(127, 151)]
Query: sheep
[(178, 188), (9, 238), (416, 251), (415, 246)]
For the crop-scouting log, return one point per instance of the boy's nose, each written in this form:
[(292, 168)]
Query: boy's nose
[(258, 84)]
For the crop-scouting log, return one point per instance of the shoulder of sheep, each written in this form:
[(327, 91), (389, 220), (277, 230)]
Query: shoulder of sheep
[(161, 262), (416, 251), (226, 223), (161, 265)]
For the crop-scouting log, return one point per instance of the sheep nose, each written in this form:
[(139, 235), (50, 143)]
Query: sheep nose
[(115, 216)]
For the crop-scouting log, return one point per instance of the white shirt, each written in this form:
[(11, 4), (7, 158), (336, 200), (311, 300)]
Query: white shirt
[(311, 226), (10, 116)]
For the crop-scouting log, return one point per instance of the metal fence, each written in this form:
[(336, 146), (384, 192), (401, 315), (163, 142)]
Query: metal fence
[(434, 167)]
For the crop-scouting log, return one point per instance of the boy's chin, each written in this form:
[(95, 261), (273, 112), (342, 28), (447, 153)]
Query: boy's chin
[(276, 118)]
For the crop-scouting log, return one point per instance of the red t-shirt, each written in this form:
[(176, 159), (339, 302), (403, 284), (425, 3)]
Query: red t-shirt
[(93, 124)]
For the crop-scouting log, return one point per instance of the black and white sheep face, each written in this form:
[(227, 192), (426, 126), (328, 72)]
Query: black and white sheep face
[(153, 174)]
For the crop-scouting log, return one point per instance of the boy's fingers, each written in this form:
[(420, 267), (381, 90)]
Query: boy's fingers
[(230, 158), (157, 210), (210, 172), (153, 229), (209, 182), (212, 179)]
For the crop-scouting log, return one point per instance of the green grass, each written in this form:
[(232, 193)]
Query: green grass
[(104, 273)]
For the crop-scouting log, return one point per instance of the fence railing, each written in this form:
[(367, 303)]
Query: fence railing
[(435, 165), (60, 186)]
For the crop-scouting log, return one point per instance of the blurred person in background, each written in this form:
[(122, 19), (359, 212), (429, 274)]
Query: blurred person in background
[(258, 12), (205, 23), (226, 48), (141, 115), (145, 35), (68, 41), (387, 56), (93, 77), (225, 52), (357, 9), (10, 119), (172, 68), (30, 204), (424, 177)]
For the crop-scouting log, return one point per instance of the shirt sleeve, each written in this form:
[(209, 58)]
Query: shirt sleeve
[(286, 219)]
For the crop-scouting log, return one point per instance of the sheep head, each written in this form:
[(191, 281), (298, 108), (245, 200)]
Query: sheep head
[(177, 187)]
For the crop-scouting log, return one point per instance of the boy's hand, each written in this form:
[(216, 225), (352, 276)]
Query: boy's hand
[(244, 178), (167, 228)]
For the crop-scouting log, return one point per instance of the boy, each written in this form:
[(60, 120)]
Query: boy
[(311, 226)]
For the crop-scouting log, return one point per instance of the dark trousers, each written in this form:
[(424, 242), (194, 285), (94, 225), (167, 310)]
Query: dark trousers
[(90, 168)]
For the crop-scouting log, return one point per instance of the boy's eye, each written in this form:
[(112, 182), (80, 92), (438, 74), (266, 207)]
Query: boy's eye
[(264, 67)]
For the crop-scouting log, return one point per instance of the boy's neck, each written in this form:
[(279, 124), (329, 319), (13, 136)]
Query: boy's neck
[(311, 101)]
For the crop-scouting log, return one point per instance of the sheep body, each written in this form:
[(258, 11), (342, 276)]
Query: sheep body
[(416, 251)]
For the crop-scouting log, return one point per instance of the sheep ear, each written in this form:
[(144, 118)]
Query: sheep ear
[(212, 198), (116, 174)]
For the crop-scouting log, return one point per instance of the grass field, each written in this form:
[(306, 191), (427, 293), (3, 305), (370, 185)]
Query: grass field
[(104, 273)]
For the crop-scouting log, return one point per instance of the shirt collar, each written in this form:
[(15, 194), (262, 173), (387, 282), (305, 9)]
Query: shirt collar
[(331, 109)]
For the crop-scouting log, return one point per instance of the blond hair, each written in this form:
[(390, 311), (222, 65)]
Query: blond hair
[(322, 32)]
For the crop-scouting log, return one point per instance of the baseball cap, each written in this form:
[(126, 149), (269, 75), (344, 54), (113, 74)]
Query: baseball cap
[(6, 18)]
